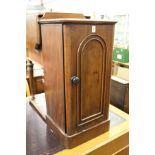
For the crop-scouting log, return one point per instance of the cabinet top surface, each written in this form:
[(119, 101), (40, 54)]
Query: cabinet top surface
[(75, 21)]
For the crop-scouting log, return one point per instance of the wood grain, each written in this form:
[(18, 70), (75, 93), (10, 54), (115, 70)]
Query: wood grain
[(39, 138), (54, 15), (77, 112), (119, 95), (33, 31), (53, 69), (74, 35), (90, 69)]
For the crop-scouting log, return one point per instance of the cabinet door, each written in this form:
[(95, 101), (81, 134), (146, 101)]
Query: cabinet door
[(87, 66)]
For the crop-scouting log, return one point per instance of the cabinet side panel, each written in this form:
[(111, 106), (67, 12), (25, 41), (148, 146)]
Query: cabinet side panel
[(52, 49)]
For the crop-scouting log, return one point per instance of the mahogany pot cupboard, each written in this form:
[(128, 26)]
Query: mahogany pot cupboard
[(77, 59)]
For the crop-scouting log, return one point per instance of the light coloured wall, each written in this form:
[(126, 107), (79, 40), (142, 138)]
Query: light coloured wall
[(87, 7), (92, 8)]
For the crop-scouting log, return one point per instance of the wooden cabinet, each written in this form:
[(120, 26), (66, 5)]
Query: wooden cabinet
[(77, 66), (33, 32), (119, 94)]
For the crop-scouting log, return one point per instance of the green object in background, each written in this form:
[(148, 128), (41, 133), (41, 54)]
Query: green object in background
[(121, 55)]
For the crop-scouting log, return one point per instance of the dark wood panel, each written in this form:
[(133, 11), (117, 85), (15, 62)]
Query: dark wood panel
[(53, 15), (107, 32), (33, 31), (73, 140), (119, 95), (33, 36), (77, 111), (39, 141), (90, 69), (39, 138), (53, 69), (73, 37)]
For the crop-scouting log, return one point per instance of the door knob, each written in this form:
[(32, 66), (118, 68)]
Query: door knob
[(75, 80)]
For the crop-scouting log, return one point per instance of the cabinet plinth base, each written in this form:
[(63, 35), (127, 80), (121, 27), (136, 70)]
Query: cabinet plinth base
[(71, 141)]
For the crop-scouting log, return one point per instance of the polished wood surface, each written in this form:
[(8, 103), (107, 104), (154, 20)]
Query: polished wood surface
[(91, 54), (113, 142), (39, 139), (54, 15), (39, 105), (119, 95), (83, 60), (33, 34), (77, 112), (33, 31), (52, 49)]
